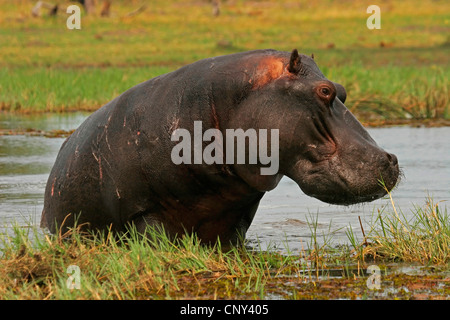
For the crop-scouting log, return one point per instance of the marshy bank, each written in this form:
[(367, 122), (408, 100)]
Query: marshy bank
[(400, 70), (106, 266)]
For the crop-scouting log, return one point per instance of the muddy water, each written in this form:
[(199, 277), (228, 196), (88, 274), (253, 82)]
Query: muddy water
[(283, 216)]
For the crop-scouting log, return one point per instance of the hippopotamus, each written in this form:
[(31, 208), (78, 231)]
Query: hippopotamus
[(117, 169)]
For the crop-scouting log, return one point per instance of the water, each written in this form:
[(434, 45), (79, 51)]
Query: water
[(25, 163), (424, 158), (283, 216)]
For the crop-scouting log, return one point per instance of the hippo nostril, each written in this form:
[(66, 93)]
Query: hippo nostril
[(392, 159)]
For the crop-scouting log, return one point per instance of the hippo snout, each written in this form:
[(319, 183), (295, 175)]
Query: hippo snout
[(393, 172)]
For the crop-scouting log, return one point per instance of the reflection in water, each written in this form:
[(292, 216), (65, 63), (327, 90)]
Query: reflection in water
[(423, 153)]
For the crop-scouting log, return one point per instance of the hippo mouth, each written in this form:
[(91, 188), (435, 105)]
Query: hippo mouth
[(333, 184), (347, 199), (333, 193)]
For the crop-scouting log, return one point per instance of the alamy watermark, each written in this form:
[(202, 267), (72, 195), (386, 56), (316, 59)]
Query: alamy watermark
[(374, 280), (374, 20), (74, 20), (190, 151), (73, 281)]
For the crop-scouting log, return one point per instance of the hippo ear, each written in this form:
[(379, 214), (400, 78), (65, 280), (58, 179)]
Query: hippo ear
[(295, 62)]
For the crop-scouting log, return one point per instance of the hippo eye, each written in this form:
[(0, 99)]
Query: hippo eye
[(325, 91)]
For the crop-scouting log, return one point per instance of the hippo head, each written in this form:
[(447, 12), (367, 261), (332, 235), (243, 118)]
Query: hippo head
[(322, 146)]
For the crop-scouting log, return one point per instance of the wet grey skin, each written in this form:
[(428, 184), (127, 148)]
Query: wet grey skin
[(116, 169)]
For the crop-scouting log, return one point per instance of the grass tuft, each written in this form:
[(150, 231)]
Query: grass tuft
[(423, 237)]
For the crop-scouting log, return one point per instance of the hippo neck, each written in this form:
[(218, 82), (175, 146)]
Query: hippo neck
[(203, 212)]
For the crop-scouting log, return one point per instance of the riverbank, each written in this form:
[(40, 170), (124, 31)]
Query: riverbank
[(64, 133), (73, 266)]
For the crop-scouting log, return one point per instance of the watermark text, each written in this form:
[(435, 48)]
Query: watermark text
[(73, 281), (74, 20), (190, 151), (374, 20)]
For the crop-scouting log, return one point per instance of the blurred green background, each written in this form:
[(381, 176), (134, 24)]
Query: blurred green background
[(400, 71)]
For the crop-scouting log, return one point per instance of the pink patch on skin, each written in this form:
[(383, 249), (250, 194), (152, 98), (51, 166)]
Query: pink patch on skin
[(268, 70)]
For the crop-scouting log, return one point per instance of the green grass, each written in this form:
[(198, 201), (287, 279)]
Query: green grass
[(421, 236), (34, 265), (56, 90), (130, 267), (424, 237), (401, 69)]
